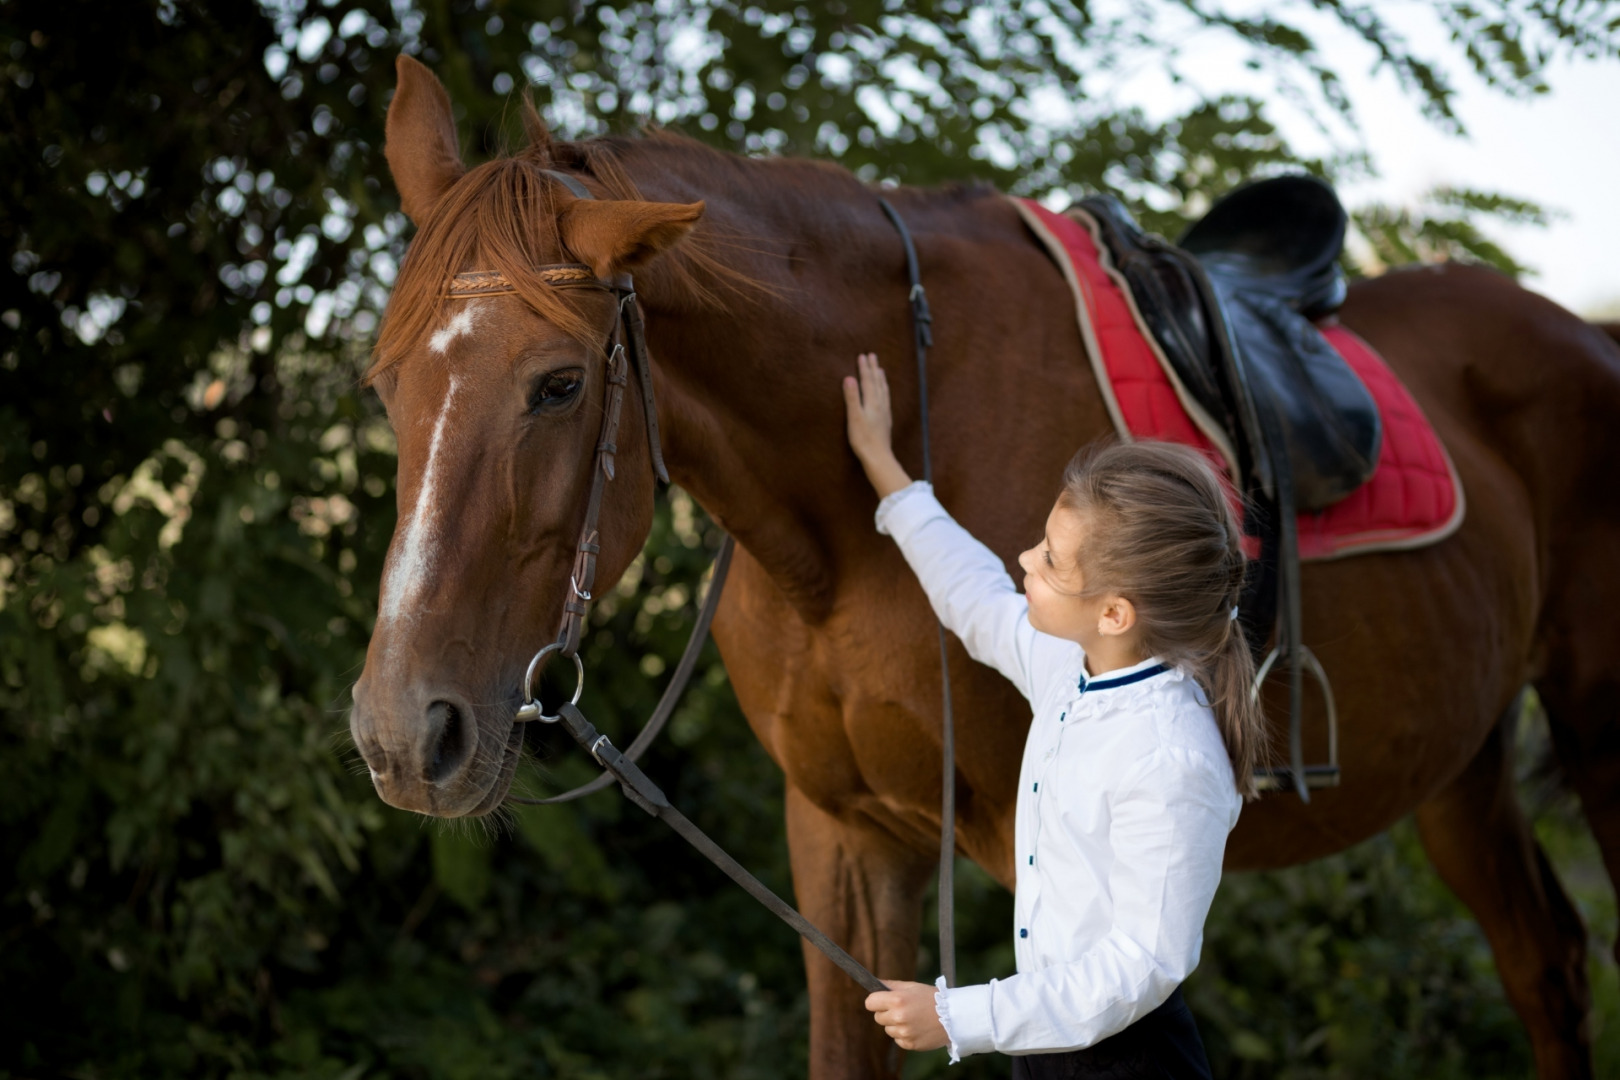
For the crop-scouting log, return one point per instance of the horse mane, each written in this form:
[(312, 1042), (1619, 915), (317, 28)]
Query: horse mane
[(502, 215)]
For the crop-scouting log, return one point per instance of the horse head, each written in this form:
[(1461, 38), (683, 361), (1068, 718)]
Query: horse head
[(497, 398)]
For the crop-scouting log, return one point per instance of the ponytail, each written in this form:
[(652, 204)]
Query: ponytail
[(1165, 536), (1228, 678)]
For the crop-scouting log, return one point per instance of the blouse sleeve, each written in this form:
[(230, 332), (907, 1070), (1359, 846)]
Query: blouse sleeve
[(1170, 820), (971, 591)]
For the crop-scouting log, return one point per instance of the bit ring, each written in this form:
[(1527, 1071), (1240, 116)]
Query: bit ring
[(530, 709)]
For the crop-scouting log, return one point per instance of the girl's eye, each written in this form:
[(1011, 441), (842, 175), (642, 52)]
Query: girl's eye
[(1047, 555), (555, 389)]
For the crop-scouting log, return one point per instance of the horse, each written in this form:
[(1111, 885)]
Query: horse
[(760, 280)]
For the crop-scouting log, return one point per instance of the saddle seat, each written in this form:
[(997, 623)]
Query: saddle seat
[(1233, 307)]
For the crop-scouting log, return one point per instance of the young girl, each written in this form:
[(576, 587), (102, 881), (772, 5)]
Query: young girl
[(1142, 747)]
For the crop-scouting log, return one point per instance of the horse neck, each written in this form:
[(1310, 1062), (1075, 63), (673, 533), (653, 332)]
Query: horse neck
[(749, 389)]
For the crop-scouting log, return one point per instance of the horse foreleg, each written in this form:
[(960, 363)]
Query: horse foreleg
[(1479, 841), (865, 890)]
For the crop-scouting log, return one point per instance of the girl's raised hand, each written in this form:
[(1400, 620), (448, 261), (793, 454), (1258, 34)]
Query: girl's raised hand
[(870, 425)]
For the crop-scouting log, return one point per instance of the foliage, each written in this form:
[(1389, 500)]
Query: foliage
[(195, 499), (1444, 226)]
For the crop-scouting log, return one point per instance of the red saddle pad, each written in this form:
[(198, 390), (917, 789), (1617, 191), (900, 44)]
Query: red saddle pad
[(1414, 497)]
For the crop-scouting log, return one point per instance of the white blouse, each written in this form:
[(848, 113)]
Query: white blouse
[(1125, 799)]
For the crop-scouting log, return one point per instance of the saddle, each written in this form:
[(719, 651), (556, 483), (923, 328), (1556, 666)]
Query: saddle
[(1232, 307), (1232, 310)]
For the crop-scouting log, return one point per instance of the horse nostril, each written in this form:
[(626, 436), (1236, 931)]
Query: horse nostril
[(453, 743)]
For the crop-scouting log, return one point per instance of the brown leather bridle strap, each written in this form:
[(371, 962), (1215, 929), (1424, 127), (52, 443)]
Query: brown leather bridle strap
[(582, 579), (627, 341)]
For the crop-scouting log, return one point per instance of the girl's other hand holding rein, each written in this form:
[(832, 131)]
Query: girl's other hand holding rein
[(871, 425), (907, 1014)]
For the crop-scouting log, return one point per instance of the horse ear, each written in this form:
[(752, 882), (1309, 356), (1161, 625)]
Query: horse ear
[(534, 129), (421, 139), (621, 235)]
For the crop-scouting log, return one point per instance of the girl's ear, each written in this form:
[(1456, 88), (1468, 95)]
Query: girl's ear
[(1118, 617)]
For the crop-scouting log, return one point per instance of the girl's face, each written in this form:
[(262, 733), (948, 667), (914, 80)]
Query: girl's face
[(1053, 583)]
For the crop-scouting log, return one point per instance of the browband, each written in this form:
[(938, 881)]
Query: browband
[(559, 275), (493, 282)]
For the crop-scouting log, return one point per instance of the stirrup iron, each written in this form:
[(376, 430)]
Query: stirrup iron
[(1288, 777)]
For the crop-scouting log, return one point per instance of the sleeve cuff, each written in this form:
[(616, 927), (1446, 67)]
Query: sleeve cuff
[(900, 512), (964, 1013)]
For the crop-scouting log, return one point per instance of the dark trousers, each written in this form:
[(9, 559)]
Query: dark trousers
[(1163, 1045)]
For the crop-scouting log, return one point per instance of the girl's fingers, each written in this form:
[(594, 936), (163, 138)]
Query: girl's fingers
[(864, 369), (873, 382)]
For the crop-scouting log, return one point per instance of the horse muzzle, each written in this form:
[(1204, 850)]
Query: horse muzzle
[(432, 751)]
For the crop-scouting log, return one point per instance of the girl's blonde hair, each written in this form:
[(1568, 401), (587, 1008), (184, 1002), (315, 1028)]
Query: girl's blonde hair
[(1162, 534)]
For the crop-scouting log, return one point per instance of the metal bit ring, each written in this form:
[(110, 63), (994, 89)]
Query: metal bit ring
[(530, 709)]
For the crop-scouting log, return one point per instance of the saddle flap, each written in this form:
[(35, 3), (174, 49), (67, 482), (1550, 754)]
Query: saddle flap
[(1329, 421)]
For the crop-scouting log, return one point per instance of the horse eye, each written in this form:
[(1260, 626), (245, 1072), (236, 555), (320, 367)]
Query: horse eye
[(555, 389)]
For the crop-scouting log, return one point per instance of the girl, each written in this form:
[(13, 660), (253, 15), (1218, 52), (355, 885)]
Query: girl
[(1142, 747)]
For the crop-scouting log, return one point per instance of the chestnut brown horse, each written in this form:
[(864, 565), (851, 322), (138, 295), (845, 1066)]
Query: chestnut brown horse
[(761, 280)]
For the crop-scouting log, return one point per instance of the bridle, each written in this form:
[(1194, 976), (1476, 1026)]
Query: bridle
[(627, 344), (628, 337)]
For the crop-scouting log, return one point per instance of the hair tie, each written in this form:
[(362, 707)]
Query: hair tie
[(1231, 616)]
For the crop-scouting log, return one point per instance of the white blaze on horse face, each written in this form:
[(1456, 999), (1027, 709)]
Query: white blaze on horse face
[(462, 323), (419, 543), (413, 562)]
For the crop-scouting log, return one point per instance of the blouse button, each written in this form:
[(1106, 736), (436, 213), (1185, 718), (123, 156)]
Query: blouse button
[(1023, 933)]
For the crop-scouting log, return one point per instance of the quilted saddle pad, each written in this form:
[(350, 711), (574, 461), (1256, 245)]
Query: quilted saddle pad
[(1414, 497)]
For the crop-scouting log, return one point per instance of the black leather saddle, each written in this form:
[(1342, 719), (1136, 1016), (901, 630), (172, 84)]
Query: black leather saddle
[(1232, 307)]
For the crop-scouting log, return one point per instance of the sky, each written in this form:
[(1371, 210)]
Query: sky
[(1560, 149)]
